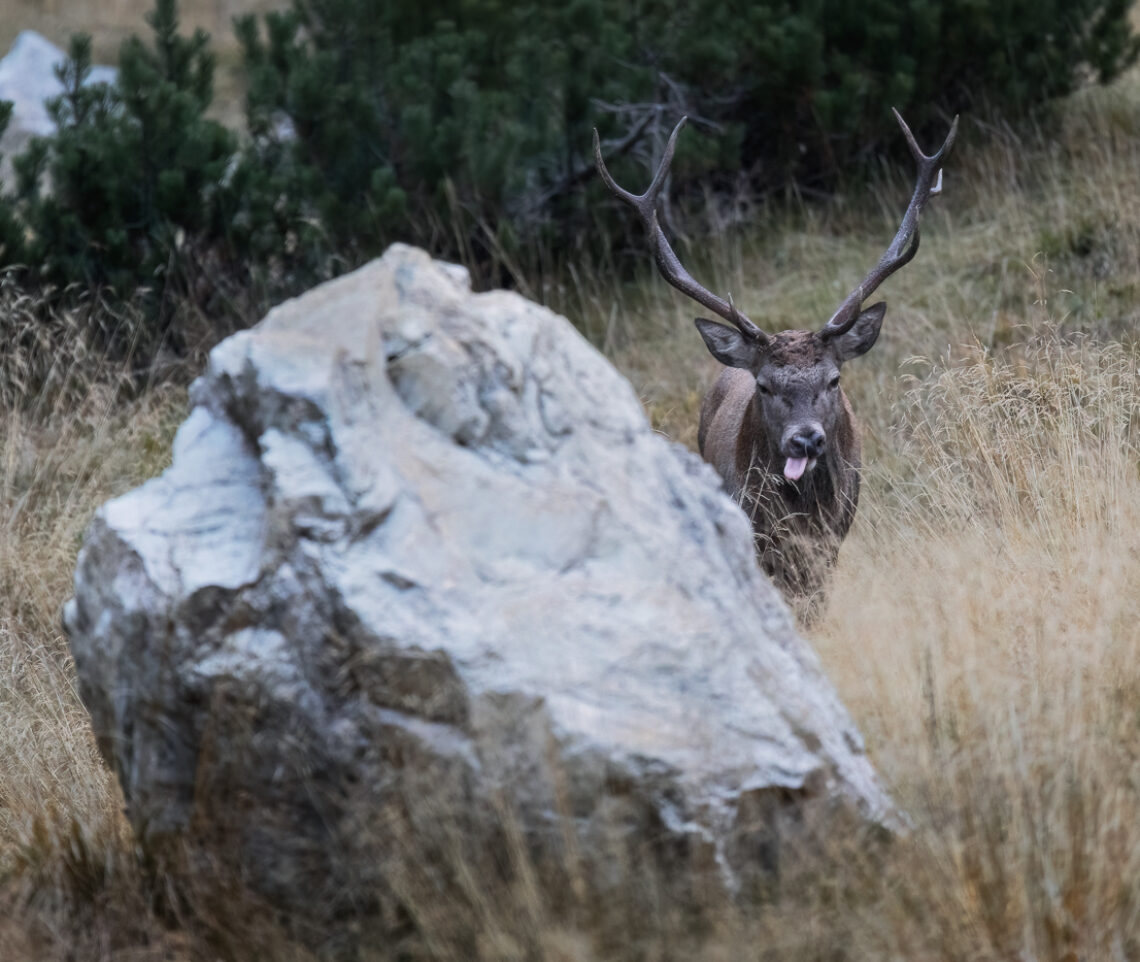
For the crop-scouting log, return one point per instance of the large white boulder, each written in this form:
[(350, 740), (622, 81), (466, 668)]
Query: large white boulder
[(419, 551)]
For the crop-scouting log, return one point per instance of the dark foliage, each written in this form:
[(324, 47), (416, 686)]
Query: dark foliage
[(465, 126), (132, 184)]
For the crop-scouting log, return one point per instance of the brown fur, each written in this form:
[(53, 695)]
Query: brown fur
[(798, 525)]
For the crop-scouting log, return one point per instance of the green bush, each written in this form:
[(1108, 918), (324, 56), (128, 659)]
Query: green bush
[(460, 126), (809, 83), (465, 126), (129, 192)]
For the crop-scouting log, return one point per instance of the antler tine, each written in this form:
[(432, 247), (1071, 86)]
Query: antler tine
[(916, 151), (667, 261), (905, 245)]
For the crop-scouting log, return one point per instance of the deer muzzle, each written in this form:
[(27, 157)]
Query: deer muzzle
[(802, 447)]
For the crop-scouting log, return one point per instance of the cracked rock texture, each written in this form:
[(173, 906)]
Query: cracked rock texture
[(419, 561)]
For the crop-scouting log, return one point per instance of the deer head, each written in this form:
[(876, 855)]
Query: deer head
[(797, 394)]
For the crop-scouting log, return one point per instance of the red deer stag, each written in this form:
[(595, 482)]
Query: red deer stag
[(776, 424)]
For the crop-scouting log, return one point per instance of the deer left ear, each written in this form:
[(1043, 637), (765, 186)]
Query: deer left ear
[(863, 334), (728, 346)]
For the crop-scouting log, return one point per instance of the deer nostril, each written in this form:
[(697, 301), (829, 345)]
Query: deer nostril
[(807, 444)]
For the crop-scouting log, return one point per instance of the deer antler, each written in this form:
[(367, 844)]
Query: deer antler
[(667, 262), (905, 245)]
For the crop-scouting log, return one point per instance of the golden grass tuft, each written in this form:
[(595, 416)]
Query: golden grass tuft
[(985, 632), (70, 883)]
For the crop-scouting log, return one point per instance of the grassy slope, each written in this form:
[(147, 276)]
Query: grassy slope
[(983, 628), (984, 624)]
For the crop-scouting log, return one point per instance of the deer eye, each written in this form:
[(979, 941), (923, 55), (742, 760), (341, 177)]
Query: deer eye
[(833, 383), (763, 388)]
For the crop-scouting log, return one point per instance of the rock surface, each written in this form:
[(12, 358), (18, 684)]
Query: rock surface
[(419, 551), (28, 79)]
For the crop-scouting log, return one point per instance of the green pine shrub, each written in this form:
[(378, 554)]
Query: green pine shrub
[(464, 126), (460, 126), (128, 196)]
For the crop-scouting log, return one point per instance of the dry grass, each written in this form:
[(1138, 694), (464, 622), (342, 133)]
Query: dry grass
[(65, 850), (984, 631), (984, 627)]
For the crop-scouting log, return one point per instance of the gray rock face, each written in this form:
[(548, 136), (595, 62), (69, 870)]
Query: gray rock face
[(419, 551), (28, 79)]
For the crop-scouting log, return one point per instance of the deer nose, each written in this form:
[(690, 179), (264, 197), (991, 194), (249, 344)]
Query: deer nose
[(807, 443)]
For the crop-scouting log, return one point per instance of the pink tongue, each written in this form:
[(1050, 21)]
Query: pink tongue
[(794, 469)]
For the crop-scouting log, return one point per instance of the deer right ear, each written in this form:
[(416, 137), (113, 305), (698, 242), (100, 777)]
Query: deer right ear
[(727, 345), (863, 334)]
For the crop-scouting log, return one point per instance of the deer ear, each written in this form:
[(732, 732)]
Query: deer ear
[(727, 345), (863, 334)]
